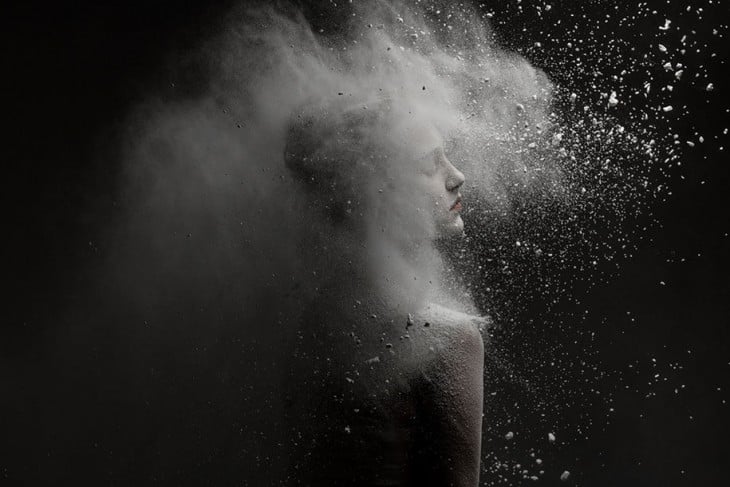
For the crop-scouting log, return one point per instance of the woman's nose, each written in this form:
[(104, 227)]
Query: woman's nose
[(454, 177)]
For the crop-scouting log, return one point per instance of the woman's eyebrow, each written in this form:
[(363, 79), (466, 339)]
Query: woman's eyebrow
[(429, 153)]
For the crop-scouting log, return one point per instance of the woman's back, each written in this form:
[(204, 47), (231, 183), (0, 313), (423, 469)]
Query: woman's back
[(403, 409)]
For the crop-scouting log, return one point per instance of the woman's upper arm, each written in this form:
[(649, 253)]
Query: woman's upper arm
[(449, 398)]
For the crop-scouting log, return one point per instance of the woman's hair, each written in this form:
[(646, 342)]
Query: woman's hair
[(335, 151)]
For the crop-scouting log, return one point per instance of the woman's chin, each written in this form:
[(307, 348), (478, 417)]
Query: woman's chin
[(452, 228)]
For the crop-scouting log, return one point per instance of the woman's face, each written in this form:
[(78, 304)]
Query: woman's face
[(440, 180), (443, 182)]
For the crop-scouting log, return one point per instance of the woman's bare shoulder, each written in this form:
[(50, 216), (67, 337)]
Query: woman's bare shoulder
[(440, 332), (439, 319)]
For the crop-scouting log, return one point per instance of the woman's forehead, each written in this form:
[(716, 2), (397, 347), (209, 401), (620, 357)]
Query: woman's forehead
[(418, 138)]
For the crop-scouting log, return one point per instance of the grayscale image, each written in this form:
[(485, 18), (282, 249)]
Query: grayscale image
[(366, 243)]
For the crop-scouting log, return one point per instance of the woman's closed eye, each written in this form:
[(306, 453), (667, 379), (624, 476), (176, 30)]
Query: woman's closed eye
[(429, 164)]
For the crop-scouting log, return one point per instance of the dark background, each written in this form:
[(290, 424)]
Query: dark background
[(71, 411)]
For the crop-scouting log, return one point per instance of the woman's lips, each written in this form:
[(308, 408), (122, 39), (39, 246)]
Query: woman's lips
[(457, 205)]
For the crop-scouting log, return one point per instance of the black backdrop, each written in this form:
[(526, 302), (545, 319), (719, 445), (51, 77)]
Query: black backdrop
[(71, 72)]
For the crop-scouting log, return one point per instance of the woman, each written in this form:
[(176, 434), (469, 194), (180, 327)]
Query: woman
[(388, 385)]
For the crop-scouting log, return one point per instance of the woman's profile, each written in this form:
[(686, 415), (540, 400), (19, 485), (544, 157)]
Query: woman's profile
[(386, 385)]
